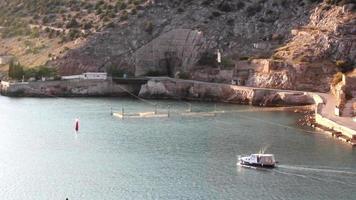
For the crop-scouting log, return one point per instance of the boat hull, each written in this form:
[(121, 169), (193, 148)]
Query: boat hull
[(257, 165)]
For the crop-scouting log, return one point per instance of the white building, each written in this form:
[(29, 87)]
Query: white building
[(71, 77), (88, 76), (95, 75)]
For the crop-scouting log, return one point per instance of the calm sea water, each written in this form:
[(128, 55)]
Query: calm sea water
[(174, 158)]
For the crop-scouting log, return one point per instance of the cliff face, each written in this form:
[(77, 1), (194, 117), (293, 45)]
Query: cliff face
[(299, 40), (174, 34), (329, 36), (307, 38)]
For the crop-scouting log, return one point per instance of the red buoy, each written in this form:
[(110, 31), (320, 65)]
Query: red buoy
[(77, 125)]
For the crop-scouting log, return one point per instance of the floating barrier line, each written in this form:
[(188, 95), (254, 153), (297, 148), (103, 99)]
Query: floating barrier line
[(153, 104), (139, 98)]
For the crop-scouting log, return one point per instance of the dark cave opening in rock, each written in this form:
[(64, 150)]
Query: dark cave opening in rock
[(170, 63)]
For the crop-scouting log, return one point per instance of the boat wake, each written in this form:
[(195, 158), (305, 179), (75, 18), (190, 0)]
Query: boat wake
[(290, 174), (320, 170), (318, 174)]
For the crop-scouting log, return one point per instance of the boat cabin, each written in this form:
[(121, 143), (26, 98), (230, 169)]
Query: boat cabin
[(262, 158)]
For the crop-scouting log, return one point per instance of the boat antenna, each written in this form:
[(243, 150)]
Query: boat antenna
[(264, 149)]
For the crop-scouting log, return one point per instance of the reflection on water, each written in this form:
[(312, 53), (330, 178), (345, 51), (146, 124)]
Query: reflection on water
[(169, 158)]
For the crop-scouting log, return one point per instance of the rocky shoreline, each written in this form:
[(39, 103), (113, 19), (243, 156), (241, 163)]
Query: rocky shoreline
[(68, 88), (160, 88), (202, 91)]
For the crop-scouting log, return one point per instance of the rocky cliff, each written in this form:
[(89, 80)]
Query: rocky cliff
[(329, 36), (299, 40), (195, 90), (155, 38)]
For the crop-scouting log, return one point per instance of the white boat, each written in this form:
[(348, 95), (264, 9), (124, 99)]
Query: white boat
[(258, 160)]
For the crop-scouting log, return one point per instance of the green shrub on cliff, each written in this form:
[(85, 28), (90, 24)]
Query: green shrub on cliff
[(336, 79), (115, 72), (73, 23), (344, 66), (208, 59), (121, 5), (124, 16), (227, 63), (74, 34), (155, 73), (184, 75)]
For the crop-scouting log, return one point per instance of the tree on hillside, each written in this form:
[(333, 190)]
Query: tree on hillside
[(39, 72), (15, 70), (44, 71)]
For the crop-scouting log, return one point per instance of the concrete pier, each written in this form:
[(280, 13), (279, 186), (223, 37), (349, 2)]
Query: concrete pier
[(122, 115)]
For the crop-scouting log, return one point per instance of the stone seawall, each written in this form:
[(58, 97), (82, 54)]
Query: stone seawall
[(330, 124), (195, 90), (68, 88), (327, 119)]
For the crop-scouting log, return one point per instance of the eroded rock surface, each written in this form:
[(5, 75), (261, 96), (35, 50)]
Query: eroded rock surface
[(248, 28), (195, 90)]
